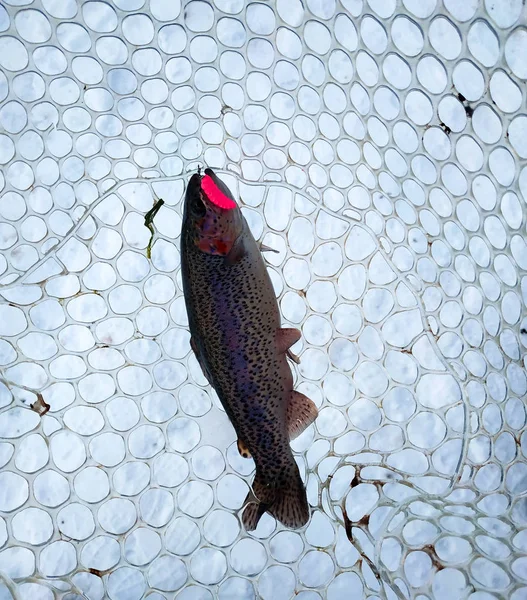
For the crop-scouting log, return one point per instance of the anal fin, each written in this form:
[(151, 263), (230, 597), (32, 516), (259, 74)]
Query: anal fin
[(243, 450), (301, 412)]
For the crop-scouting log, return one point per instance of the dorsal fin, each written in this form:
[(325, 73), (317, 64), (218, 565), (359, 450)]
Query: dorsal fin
[(286, 337)]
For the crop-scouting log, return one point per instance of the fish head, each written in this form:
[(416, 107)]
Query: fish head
[(212, 213)]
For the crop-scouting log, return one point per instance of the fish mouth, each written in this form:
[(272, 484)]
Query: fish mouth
[(194, 184), (208, 191), (194, 200)]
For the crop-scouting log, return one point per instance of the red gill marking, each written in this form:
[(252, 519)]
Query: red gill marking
[(216, 196)]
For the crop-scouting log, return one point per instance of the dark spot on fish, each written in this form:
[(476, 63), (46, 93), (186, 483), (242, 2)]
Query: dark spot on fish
[(523, 331)]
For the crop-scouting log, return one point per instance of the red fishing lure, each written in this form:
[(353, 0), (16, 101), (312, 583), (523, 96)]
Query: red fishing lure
[(215, 195)]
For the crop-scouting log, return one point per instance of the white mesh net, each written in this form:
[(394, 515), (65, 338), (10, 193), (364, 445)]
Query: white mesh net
[(380, 147)]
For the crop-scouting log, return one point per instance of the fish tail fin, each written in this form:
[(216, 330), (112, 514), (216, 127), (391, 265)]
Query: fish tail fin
[(251, 515), (288, 503), (256, 503), (290, 506)]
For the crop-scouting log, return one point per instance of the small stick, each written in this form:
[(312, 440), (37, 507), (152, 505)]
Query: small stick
[(149, 219)]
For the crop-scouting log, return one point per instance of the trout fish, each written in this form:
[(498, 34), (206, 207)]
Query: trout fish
[(237, 338)]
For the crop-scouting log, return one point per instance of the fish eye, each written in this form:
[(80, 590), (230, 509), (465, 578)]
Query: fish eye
[(197, 208)]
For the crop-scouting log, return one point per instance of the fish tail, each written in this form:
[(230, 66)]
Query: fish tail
[(252, 514), (288, 503), (290, 506)]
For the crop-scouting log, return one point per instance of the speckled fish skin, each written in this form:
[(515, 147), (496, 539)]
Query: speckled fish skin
[(234, 319)]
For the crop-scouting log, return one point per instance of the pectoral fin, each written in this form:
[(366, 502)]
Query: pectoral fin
[(243, 450), (237, 252), (301, 412)]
